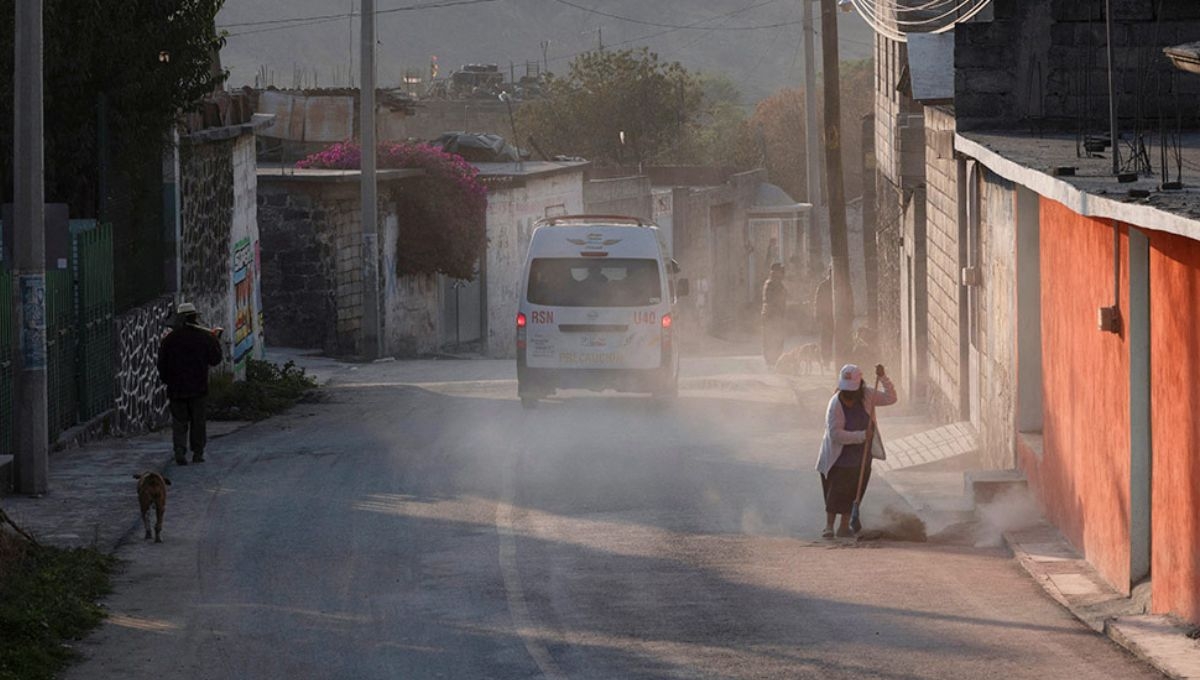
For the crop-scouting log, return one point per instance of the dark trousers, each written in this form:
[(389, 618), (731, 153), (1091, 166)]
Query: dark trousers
[(826, 342), (774, 333), (187, 425)]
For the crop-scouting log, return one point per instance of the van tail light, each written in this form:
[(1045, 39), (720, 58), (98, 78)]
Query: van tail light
[(521, 323), (521, 320), (666, 335)]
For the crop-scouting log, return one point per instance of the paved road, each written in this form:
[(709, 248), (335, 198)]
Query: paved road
[(421, 525)]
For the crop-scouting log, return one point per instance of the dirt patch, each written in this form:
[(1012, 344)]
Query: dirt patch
[(898, 526)]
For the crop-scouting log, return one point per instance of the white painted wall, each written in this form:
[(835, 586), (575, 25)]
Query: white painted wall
[(244, 329), (411, 304), (511, 213)]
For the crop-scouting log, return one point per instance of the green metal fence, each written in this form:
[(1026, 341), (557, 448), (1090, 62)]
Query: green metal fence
[(80, 347), (94, 319), (60, 351)]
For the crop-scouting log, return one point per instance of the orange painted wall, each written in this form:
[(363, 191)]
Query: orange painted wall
[(1175, 416), (1082, 479)]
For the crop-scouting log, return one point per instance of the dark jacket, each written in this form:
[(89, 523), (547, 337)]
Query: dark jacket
[(183, 360), (774, 299)]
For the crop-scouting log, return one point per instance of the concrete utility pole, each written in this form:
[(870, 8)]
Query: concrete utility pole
[(843, 295), (812, 146), (372, 347), (30, 464)]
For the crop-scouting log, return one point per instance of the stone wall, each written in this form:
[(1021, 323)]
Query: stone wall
[(207, 201), (219, 247), (1043, 64), (140, 398), (312, 270)]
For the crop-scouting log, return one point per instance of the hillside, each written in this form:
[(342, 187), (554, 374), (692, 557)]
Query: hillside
[(760, 60)]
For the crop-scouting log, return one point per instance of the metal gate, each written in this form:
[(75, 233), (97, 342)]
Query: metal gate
[(462, 310), (79, 336)]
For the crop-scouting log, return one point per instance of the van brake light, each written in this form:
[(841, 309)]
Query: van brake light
[(666, 321), (521, 320)]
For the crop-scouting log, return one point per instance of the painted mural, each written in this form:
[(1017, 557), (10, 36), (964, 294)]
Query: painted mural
[(245, 295)]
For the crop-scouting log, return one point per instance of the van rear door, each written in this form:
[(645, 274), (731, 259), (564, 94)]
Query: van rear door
[(593, 312)]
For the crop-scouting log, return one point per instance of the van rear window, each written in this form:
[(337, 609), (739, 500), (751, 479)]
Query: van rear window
[(586, 282)]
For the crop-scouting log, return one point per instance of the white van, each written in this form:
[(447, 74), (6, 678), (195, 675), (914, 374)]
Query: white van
[(596, 308)]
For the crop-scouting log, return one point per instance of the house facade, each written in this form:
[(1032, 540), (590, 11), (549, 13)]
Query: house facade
[(1044, 299)]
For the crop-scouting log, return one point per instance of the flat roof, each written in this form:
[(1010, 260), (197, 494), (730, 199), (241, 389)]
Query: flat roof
[(281, 172), (529, 168), (1092, 190)]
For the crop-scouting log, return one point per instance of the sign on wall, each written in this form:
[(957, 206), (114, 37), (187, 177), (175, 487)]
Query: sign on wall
[(245, 294)]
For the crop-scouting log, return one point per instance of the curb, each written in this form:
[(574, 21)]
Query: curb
[(1157, 640)]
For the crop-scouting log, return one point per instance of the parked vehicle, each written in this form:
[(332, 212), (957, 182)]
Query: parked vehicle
[(597, 309)]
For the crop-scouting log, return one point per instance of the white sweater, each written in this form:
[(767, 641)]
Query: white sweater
[(836, 434)]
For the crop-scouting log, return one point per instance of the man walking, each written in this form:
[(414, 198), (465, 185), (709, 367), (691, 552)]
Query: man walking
[(183, 361), (774, 315)]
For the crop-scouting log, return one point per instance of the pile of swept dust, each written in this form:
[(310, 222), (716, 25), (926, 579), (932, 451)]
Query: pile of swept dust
[(900, 526)]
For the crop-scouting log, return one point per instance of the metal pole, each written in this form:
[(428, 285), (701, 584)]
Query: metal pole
[(31, 462), (812, 146), (1112, 93), (371, 330), (843, 294)]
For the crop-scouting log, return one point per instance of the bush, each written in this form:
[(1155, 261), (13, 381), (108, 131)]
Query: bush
[(442, 213), (267, 390), (47, 599)]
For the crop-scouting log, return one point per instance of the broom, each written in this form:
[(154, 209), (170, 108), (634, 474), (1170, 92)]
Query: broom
[(855, 520)]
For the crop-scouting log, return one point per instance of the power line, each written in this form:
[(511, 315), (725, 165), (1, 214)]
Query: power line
[(322, 18), (678, 27)]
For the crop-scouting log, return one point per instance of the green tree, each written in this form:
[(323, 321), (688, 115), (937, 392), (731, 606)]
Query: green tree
[(610, 95), (145, 61)]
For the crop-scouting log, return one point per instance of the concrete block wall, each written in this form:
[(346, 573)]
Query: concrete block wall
[(619, 196), (943, 267), (1059, 74)]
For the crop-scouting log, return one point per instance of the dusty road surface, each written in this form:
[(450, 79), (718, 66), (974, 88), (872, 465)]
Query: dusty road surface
[(420, 524)]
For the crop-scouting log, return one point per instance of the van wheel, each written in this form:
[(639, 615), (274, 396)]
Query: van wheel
[(529, 403)]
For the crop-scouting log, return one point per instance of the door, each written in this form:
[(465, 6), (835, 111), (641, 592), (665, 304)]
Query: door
[(462, 309)]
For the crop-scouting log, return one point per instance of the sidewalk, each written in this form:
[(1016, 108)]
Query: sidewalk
[(92, 499), (928, 470)]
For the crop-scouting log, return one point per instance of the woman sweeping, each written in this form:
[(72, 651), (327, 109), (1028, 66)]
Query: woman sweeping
[(841, 463)]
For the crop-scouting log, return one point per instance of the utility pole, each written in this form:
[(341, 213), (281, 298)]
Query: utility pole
[(812, 147), (31, 463), (843, 295), (371, 330)]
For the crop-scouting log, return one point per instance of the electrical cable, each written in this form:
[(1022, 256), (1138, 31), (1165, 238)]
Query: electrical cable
[(344, 15)]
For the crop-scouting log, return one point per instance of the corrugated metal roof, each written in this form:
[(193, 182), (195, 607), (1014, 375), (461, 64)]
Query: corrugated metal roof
[(302, 118), (931, 66)]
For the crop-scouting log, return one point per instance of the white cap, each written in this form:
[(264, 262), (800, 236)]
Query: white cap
[(850, 378), (186, 308)]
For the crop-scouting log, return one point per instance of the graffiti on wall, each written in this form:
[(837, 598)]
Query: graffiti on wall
[(245, 296)]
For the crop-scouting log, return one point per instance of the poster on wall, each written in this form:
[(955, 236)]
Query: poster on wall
[(244, 297)]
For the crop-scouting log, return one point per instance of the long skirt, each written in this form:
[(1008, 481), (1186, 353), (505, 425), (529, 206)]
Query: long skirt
[(841, 486)]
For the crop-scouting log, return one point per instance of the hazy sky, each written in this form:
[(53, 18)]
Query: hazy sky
[(755, 42)]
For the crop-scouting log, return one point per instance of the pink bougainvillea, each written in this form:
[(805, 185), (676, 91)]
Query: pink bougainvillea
[(442, 213)]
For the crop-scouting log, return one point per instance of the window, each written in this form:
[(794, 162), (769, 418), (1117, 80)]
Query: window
[(594, 282)]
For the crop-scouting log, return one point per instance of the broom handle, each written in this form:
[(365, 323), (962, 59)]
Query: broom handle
[(862, 468)]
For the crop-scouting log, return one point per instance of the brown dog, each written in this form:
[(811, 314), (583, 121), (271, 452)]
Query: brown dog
[(152, 490), (800, 360)]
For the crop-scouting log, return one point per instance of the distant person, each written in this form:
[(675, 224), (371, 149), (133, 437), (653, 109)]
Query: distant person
[(823, 313), (840, 463), (184, 358), (774, 315)]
